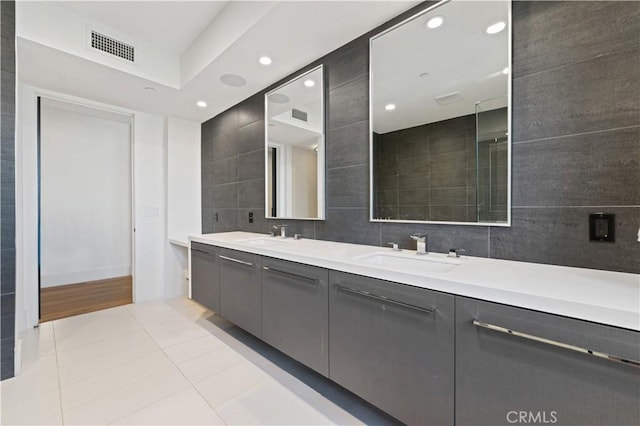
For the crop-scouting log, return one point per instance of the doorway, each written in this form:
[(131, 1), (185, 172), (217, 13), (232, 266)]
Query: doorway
[(85, 209)]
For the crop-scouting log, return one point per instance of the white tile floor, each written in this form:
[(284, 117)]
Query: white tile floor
[(169, 363)]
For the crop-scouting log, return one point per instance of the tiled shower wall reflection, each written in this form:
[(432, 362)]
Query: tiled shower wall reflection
[(575, 133), (427, 172)]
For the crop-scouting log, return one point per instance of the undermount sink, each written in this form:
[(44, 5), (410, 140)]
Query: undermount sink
[(266, 241), (410, 261)]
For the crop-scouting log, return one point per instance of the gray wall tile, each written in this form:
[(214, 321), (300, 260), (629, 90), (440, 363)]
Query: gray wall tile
[(225, 146), (259, 225), (344, 147), (348, 104), (348, 187), (7, 270), (571, 29), (585, 170), (251, 194), (8, 310), (225, 196), (595, 94), (560, 236), (348, 63), (349, 226), (6, 353), (225, 171), (251, 110), (7, 188), (227, 220), (251, 137), (251, 166), (224, 123)]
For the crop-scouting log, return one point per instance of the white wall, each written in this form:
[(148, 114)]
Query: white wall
[(183, 199), (85, 195), (149, 135)]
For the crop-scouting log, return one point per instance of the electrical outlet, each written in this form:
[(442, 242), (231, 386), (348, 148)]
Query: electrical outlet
[(602, 227), (250, 217)]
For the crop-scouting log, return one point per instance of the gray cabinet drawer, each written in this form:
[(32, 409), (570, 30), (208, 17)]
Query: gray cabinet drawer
[(393, 345), (295, 311), (501, 376), (240, 289), (205, 285)]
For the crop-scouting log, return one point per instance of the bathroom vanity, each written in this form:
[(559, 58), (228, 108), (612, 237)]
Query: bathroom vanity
[(434, 339)]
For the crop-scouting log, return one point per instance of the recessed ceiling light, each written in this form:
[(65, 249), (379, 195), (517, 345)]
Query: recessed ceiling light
[(233, 80), (265, 60), (505, 70), (149, 89), (201, 104), (434, 22), (496, 28), (389, 107), (309, 83)]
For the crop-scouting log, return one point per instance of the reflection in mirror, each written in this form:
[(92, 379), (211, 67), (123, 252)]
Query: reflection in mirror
[(295, 148), (440, 120)]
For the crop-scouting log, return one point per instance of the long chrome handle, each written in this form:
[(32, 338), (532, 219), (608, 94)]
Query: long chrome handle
[(290, 274), (384, 299), (242, 262), (556, 343)]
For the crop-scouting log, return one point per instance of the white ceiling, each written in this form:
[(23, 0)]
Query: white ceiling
[(172, 24), (293, 33), (458, 57)]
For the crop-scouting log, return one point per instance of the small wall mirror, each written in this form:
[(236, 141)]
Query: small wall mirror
[(295, 148), (440, 116)]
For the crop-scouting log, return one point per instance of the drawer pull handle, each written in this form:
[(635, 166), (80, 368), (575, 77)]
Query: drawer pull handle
[(289, 274), (242, 262), (556, 343), (201, 251), (383, 299)]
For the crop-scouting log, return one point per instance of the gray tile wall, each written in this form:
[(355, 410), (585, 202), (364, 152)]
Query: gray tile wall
[(427, 172), (576, 145), (7, 189)]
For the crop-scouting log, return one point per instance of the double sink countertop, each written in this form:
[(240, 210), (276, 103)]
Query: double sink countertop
[(611, 298)]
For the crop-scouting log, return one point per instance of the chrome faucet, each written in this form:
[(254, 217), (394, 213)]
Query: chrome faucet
[(394, 246), (282, 228), (421, 242)]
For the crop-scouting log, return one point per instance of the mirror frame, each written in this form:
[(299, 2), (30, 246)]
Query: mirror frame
[(321, 170), (507, 223)]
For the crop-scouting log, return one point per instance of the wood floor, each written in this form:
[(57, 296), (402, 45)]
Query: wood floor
[(74, 299)]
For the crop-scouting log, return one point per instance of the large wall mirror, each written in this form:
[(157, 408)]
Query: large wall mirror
[(440, 116), (295, 148)]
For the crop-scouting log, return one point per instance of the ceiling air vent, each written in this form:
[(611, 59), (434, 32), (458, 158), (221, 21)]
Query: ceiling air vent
[(299, 115), (449, 98), (112, 46)]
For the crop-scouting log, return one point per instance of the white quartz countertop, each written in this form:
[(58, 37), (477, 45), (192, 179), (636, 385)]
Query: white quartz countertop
[(605, 297)]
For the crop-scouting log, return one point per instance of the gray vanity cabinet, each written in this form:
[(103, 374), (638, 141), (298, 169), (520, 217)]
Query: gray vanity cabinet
[(504, 378), (205, 285), (240, 290), (393, 345), (295, 311)]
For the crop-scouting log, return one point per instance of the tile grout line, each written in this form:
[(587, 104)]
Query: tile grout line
[(571, 135), (55, 345)]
